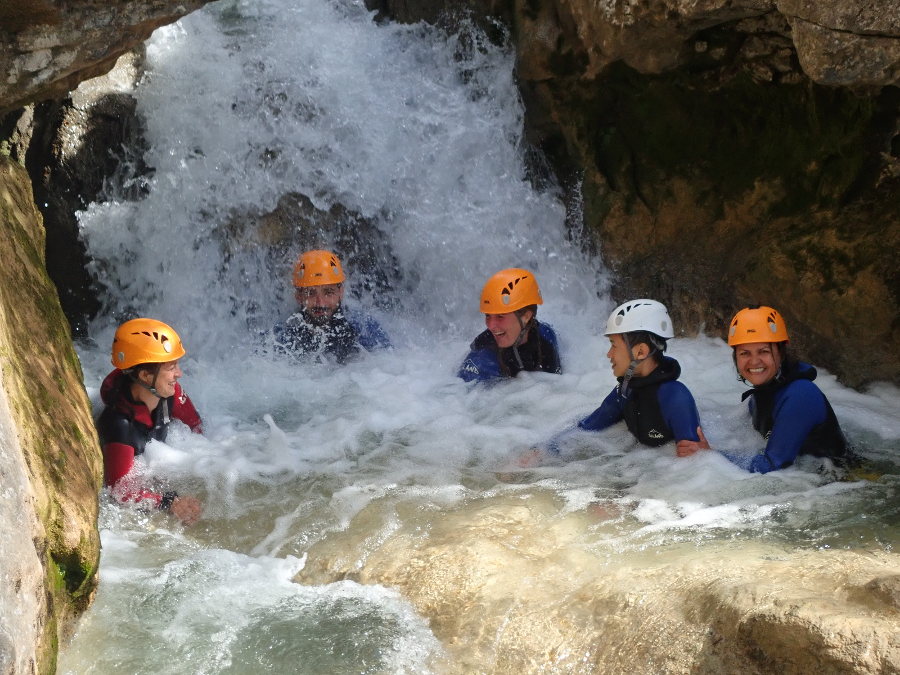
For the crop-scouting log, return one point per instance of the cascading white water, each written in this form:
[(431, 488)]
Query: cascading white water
[(422, 133)]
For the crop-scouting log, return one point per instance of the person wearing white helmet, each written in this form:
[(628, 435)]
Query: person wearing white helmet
[(655, 406)]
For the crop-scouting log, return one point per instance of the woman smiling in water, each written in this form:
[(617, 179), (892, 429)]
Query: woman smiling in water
[(787, 409)]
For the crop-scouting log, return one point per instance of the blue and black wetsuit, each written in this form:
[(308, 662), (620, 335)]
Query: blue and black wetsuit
[(342, 337), (487, 361), (656, 408), (795, 418)]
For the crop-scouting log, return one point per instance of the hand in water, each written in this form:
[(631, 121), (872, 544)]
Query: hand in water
[(524, 461), (186, 509), (687, 448), (530, 458)]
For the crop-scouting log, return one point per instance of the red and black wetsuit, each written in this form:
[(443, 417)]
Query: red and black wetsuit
[(126, 425)]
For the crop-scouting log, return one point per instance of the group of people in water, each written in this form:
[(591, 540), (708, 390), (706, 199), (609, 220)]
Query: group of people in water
[(793, 416)]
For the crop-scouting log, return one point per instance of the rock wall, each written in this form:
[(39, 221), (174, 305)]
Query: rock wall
[(48, 46), (72, 148), (727, 153), (49, 457), (561, 600), (51, 464)]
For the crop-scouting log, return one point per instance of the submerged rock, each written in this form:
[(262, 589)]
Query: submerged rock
[(510, 586)]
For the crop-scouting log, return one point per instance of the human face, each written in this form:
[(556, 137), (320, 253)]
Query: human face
[(166, 378), (619, 355), (757, 362), (506, 327), (319, 303)]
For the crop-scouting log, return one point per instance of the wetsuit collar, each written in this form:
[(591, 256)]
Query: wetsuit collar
[(668, 369), (790, 371)]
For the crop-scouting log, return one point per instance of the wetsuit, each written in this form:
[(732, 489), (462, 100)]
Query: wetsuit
[(656, 408), (342, 337), (126, 426), (487, 361), (795, 418)]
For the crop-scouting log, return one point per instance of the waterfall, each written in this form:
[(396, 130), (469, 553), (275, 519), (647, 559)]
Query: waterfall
[(419, 135)]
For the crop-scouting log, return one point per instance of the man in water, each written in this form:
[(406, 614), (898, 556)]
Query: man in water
[(514, 339), (322, 325)]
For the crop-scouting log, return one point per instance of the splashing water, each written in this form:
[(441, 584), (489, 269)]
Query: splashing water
[(421, 133)]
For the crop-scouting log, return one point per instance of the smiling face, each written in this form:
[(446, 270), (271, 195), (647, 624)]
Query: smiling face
[(757, 362), (165, 379), (506, 328), (319, 303)]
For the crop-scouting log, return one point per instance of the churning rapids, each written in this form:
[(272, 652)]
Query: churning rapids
[(421, 134)]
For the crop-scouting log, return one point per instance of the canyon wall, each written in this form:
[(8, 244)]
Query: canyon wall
[(49, 455), (723, 153)]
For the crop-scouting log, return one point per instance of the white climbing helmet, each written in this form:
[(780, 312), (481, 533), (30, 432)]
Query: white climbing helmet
[(635, 315)]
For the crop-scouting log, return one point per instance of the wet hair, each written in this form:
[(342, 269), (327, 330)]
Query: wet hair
[(532, 308), (656, 343), (150, 367)]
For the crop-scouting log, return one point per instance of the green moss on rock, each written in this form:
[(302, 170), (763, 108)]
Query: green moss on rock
[(42, 378)]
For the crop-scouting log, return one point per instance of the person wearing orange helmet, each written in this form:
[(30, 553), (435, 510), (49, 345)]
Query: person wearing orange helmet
[(786, 408), (141, 396), (514, 339), (322, 325)]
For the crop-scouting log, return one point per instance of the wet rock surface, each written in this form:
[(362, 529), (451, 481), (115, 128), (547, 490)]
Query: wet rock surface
[(51, 458), (729, 153), (509, 587), (47, 47)]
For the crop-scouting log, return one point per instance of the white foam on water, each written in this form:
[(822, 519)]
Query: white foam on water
[(252, 617), (421, 133)]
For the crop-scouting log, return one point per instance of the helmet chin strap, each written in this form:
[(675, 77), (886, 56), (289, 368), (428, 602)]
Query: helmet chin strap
[(523, 333), (635, 362), (152, 386)]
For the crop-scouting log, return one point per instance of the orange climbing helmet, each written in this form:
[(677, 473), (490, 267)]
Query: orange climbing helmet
[(145, 341), (509, 290), (317, 268), (757, 323)]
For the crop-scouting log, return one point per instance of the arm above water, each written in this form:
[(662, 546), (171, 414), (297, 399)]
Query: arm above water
[(679, 411), (480, 365), (798, 411), (118, 461), (609, 412), (371, 334), (183, 409)]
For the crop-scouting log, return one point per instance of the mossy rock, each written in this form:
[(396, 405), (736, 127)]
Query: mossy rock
[(51, 412)]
